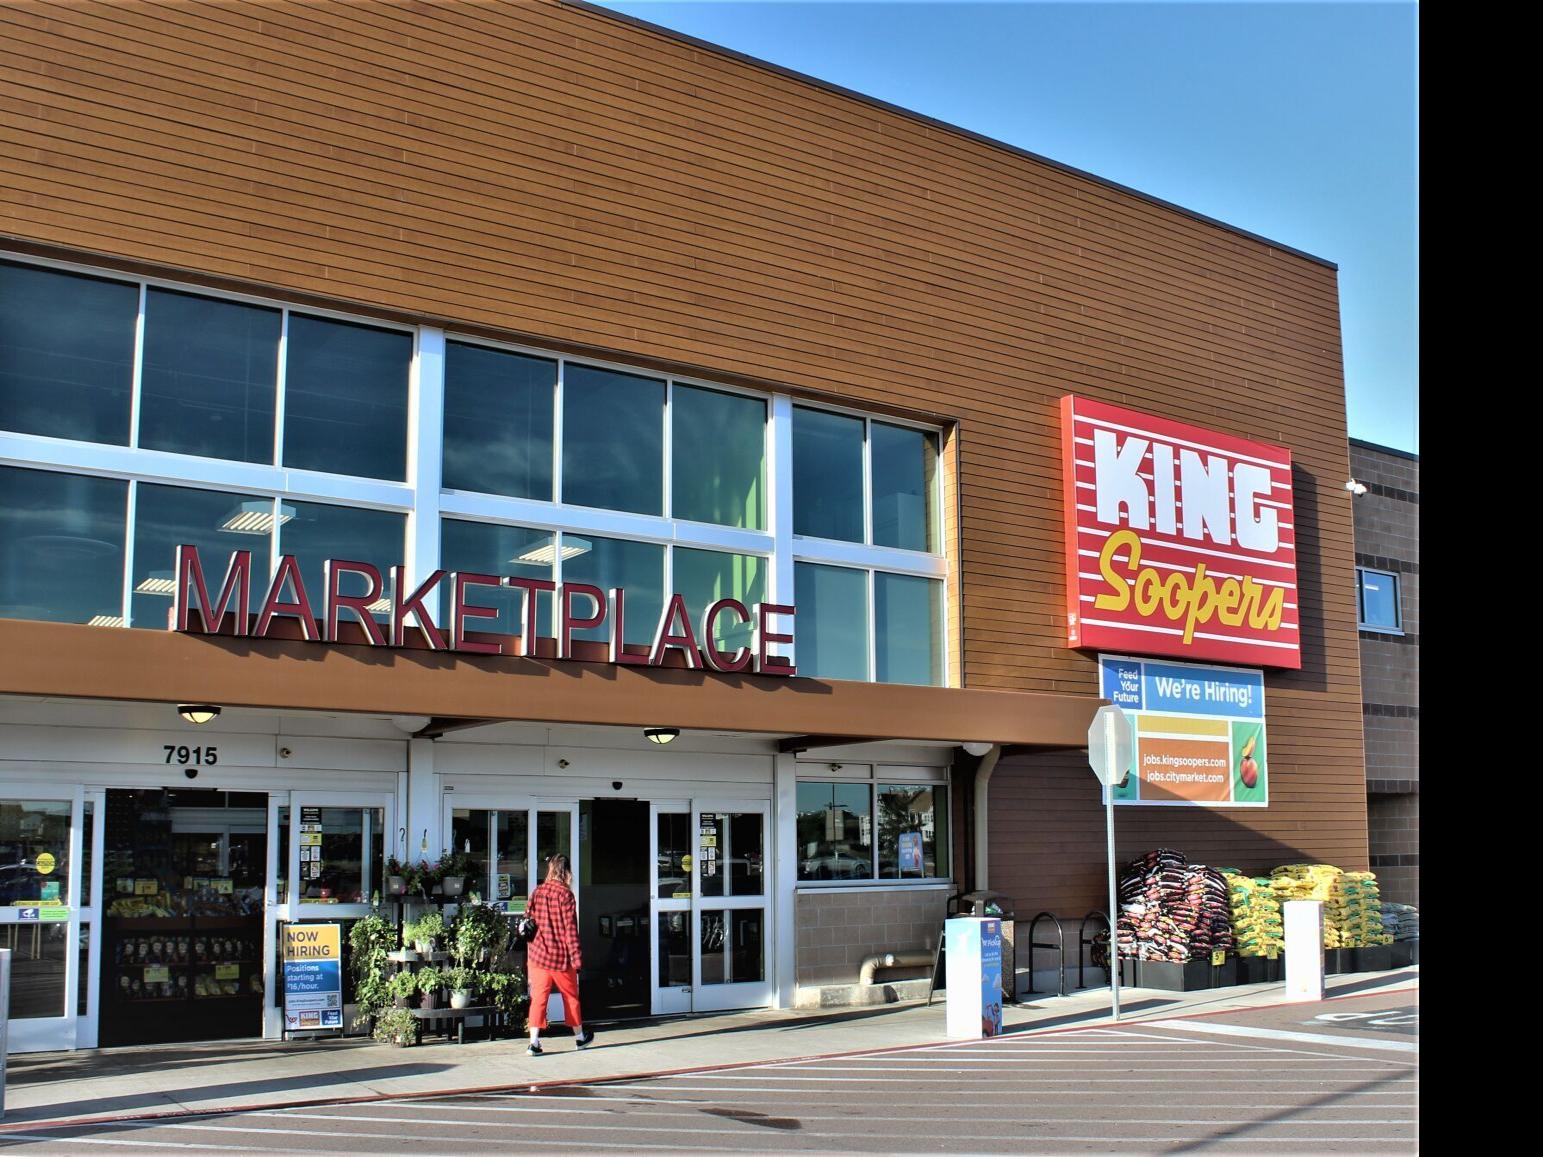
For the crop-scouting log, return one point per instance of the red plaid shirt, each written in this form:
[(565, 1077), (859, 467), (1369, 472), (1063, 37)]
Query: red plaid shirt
[(556, 944)]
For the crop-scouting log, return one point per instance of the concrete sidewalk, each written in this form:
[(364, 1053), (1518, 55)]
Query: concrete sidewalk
[(174, 1079)]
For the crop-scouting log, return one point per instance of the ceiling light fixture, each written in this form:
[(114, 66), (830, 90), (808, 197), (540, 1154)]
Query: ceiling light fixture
[(255, 517), (660, 735), (547, 552), (198, 712)]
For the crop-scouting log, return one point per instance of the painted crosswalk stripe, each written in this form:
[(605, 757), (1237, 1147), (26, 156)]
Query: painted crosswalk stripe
[(1310, 1038)]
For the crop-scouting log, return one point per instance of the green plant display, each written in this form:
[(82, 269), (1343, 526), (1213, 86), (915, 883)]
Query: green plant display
[(396, 1026), (429, 979), (463, 979), (369, 940), (479, 932), (403, 986), (425, 930), (506, 991)]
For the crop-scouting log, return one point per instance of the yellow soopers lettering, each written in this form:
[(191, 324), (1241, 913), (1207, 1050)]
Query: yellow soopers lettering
[(1194, 601)]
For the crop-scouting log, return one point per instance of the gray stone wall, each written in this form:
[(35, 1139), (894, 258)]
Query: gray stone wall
[(835, 930)]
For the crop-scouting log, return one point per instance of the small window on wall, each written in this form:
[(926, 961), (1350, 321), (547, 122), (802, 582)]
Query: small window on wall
[(1377, 598), (866, 831)]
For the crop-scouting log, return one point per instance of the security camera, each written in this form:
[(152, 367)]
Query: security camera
[(190, 772), (616, 785)]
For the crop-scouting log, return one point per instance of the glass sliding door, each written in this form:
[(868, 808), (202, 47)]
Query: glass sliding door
[(711, 905), (42, 854)]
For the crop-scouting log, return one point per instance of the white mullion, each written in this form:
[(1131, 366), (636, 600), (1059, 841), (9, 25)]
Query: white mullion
[(894, 560), (559, 400), (779, 506), (667, 507), (425, 451), (131, 514), (867, 481), (873, 634), (273, 538), (138, 370), (280, 390)]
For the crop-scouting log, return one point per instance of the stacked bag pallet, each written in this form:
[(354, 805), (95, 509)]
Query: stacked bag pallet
[(1356, 906), (1171, 909), (1310, 882), (1256, 920), (1400, 921)]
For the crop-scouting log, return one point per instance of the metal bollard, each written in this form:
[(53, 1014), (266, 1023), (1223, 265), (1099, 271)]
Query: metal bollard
[(5, 1019)]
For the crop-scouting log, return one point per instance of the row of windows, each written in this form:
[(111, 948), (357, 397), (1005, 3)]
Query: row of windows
[(82, 549), (97, 360)]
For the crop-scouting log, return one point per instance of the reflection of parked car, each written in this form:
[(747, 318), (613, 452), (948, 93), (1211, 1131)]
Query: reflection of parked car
[(18, 882), (837, 866)]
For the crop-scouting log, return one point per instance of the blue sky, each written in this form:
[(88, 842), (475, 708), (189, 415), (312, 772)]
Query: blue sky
[(1297, 121)]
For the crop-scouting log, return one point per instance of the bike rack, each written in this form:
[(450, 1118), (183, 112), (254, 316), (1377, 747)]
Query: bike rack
[(1084, 940), (1059, 945)]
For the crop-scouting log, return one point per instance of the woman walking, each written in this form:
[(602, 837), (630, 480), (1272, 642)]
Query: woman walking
[(553, 955)]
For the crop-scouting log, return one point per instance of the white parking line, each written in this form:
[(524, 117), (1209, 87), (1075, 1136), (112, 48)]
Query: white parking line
[(1311, 1038), (145, 1143)]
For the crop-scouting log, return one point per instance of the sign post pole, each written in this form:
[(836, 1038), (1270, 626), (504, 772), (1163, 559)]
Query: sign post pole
[(1111, 743)]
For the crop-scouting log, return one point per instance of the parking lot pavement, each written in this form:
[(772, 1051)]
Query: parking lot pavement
[(1283, 1080)]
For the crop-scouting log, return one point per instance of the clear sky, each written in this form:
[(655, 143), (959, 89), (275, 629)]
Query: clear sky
[(1297, 121)]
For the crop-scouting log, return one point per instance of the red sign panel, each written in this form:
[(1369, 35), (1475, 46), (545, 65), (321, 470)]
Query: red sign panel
[(1179, 541)]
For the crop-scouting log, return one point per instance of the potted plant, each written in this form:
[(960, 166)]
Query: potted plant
[(430, 981), (462, 983), (507, 993), (479, 933), (402, 987), (369, 940), (396, 877), (397, 1026), (422, 932), (454, 867)]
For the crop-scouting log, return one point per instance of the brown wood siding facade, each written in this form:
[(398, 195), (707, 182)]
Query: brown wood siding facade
[(559, 177)]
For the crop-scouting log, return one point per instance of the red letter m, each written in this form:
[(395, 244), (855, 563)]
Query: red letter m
[(190, 581)]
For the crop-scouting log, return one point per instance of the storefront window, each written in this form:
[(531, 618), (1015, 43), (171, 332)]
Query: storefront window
[(167, 516), (913, 831), (314, 532), (346, 864), (554, 835), (835, 831), (345, 398), (905, 466), (613, 440), (498, 422), (908, 625), (61, 547), (209, 377), (636, 567), (718, 442), (674, 839), (66, 354), (35, 852), (511, 873), (832, 621), (470, 831), (37, 968), (283, 857), (705, 576), (485, 548), (827, 475)]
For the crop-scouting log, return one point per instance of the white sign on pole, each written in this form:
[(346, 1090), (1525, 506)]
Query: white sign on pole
[(1111, 744)]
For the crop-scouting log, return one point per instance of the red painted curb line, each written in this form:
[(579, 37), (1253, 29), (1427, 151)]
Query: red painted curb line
[(538, 1086)]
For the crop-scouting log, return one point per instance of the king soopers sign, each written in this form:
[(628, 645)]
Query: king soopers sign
[(577, 607), (1179, 541)]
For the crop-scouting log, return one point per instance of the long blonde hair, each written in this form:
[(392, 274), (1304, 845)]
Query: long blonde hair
[(558, 869)]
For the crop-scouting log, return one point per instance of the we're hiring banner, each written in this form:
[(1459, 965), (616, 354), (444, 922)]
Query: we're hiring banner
[(1180, 541)]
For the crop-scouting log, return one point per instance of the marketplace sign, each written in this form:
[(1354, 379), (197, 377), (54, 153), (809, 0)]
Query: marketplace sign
[(1179, 541), (1199, 732), (579, 607)]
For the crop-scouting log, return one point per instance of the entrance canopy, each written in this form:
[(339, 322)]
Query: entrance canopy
[(62, 659)]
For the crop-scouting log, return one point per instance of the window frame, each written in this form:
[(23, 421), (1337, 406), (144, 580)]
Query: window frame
[(1361, 573), (873, 777), (422, 498)]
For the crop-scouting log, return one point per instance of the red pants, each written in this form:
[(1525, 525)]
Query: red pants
[(541, 982)]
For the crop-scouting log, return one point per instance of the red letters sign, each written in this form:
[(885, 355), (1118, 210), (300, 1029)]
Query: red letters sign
[(1179, 541), (677, 638)]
